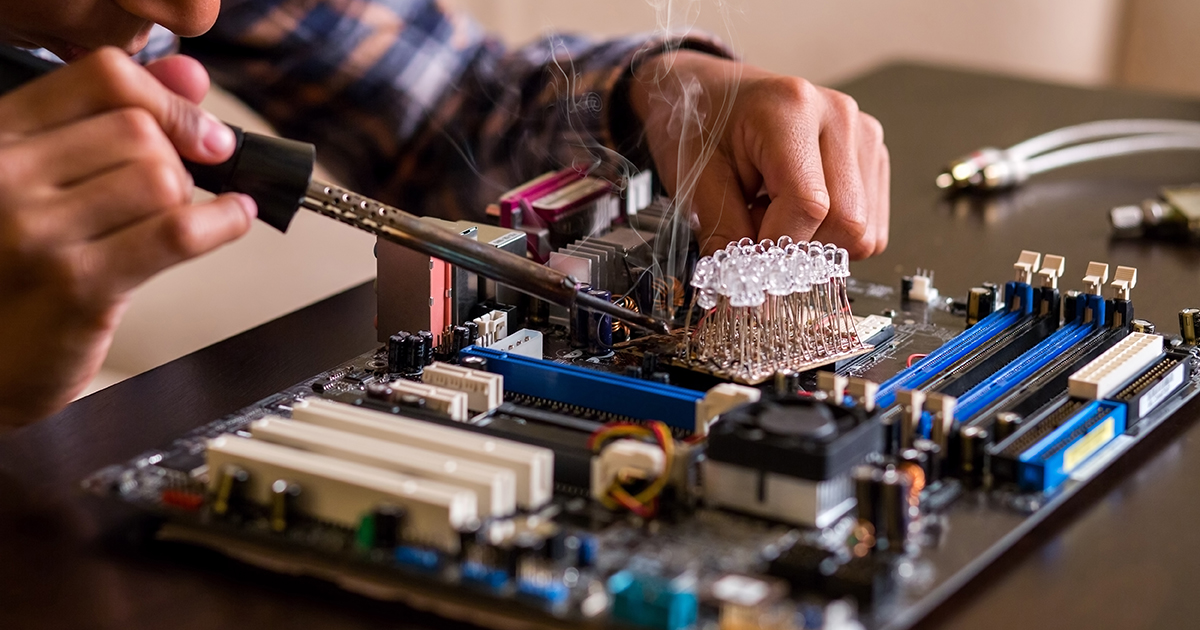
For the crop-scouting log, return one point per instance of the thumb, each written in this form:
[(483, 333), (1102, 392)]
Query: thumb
[(182, 75)]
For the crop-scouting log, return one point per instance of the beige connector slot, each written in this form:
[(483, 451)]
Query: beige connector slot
[(495, 487), (532, 465), (722, 398), (341, 492), (449, 402), (485, 391)]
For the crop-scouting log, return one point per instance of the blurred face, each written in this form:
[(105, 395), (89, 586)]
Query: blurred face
[(72, 28)]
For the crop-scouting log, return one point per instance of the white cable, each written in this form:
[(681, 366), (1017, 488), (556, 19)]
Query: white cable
[(1098, 130), (1111, 148)]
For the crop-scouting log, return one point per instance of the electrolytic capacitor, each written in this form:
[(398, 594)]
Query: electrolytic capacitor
[(973, 442), (932, 461), (460, 338), (580, 321), (411, 351), (388, 522), (1143, 326), (427, 348), (395, 352), (1189, 325), (866, 494), (894, 505), (472, 332), (599, 325), (1006, 424)]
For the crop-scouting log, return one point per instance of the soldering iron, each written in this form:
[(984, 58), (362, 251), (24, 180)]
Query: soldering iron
[(278, 174)]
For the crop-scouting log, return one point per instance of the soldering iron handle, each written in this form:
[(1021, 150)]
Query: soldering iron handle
[(273, 171)]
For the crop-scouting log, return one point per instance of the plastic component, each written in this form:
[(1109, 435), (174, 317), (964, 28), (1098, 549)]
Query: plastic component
[(524, 342), (1049, 462), (591, 389), (1118, 364), (653, 602), (720, 399), (275, 172), (494, 486), (533, 466), (340, 491), (484, 390), (448, 402), (624, 458)]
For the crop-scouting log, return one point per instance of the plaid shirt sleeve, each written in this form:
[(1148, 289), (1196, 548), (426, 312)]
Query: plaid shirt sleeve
[(415, 105)]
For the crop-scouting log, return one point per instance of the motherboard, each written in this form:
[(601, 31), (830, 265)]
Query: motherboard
[(804, 450)]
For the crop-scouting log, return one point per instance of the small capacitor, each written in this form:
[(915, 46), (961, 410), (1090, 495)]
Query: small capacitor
[(890, 425), (475, 363), (427, 348), (600, 326), (787, 382), (284, 496), (893, 491), (633, 371), (933, 459), (980, 303), (1006, 424), (866, 494), (460, 338), (472, 333), (380, 391), (661, 377), (1189, 325), (395, 352), (388, 522), (649, 363), (411, 351), (1143, 326), (580, 321), (973, 444), (906, 285)]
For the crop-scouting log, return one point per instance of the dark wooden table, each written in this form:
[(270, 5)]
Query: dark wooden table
[(1129, 557)]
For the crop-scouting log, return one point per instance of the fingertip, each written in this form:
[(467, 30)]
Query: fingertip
[(218, 139), (182, 75), (247, 205)]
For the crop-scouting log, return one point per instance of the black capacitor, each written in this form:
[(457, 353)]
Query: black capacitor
[(1070, 305), (890, 425), (284, 496), (395, 350), (1050, 304), (932, 462), (973, 442), (389, 522), (917, 457), (412, 401), (787, 382), (661, 377), (468, 537), (411, 350), (1006, 424), (980, 303), (906, 285), (475, 363), (580, 321), (1143, 326), (600, 326), (1189, 325), (460, 338), (380, 391), (633, 371), (866, 495), (894, 508), (556, 549), (649, 363), (427, 348), (472, 332)]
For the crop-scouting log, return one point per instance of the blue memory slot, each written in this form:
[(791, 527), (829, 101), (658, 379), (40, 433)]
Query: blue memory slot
[(1050, 348), (1049, 462), (1019, 301), (591, 389)]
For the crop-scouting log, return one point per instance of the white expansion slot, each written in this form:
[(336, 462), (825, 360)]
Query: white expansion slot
[(532, 465), (341, 492), (445, 401), (485, 391), (494, 487), (1104, 374)]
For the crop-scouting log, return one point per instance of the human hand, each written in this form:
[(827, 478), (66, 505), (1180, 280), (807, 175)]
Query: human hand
[(94, 200), (762, 155)]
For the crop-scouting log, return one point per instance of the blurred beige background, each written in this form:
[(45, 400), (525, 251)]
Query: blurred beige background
[(1147, 44)]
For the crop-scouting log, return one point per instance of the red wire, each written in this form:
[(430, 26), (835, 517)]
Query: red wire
[(913, 358)]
